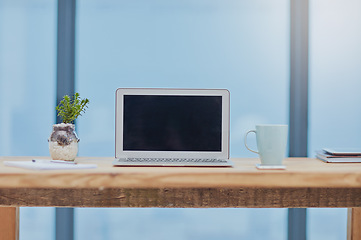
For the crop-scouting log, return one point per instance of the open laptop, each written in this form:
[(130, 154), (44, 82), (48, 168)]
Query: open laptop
[(172, 127)]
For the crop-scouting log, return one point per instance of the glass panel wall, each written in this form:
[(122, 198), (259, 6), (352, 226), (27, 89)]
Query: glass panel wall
[(180, 224), (335, 73), (239, 45), (27, 92)]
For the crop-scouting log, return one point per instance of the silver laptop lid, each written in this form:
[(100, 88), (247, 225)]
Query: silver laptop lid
[(172, 123)]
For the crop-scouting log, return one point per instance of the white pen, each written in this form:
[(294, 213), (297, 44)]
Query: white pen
[(52, 161)]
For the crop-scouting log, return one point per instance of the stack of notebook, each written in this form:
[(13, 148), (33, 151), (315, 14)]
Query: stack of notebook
[(339, 155)]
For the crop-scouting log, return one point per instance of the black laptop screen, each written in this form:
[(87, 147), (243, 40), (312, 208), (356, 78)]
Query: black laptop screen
[(172, 123)]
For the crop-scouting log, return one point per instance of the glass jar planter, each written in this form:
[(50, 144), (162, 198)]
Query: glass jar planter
[(63, 142)]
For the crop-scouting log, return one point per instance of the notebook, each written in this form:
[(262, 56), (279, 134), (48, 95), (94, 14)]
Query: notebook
[(172, 127), (339, 155), (47, 165)]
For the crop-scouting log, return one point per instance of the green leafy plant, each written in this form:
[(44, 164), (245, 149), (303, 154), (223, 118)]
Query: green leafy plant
[(71, 108)]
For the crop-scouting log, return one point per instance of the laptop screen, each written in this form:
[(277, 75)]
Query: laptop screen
[(172, 123)]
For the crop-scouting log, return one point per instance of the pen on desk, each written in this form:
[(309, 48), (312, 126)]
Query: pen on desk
[(52, 161)]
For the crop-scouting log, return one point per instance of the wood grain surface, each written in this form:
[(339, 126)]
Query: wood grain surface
[(183, 197), (9, 223), (354, 224), (300, 173), (306, 182)]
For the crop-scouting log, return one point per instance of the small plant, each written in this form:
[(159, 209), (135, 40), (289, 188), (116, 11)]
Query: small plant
[(71, 108)]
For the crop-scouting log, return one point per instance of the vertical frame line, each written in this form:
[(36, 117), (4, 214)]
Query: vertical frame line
[(65, 49), (298, 124), (64, 217)]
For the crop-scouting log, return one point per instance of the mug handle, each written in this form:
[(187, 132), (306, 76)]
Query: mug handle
[(245, 141)]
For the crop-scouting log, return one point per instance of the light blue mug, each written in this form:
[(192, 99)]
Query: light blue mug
[(271, 143)]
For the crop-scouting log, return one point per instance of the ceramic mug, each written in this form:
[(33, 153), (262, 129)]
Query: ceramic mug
[(271, 143)]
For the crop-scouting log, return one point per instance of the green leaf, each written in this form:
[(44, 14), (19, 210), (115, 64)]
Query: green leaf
[(70, 108)]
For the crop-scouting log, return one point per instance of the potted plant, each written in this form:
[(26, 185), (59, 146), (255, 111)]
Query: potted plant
[(63, 141)]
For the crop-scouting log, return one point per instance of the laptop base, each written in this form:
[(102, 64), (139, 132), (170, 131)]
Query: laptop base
[(166, 162)]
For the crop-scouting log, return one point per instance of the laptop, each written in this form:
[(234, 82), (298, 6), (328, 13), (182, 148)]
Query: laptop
[(172, 127)]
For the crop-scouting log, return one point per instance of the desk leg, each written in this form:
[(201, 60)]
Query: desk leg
[(354, 224), (9, 223)]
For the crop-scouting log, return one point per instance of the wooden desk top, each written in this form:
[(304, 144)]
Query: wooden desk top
[(306, 182), (300, 173)]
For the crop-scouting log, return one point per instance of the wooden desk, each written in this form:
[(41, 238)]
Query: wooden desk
[(306, 183)]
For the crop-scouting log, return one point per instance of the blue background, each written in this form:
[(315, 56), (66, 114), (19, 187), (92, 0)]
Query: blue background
[(240, 45)]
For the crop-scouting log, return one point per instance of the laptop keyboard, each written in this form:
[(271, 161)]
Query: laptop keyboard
[(174, 160)]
